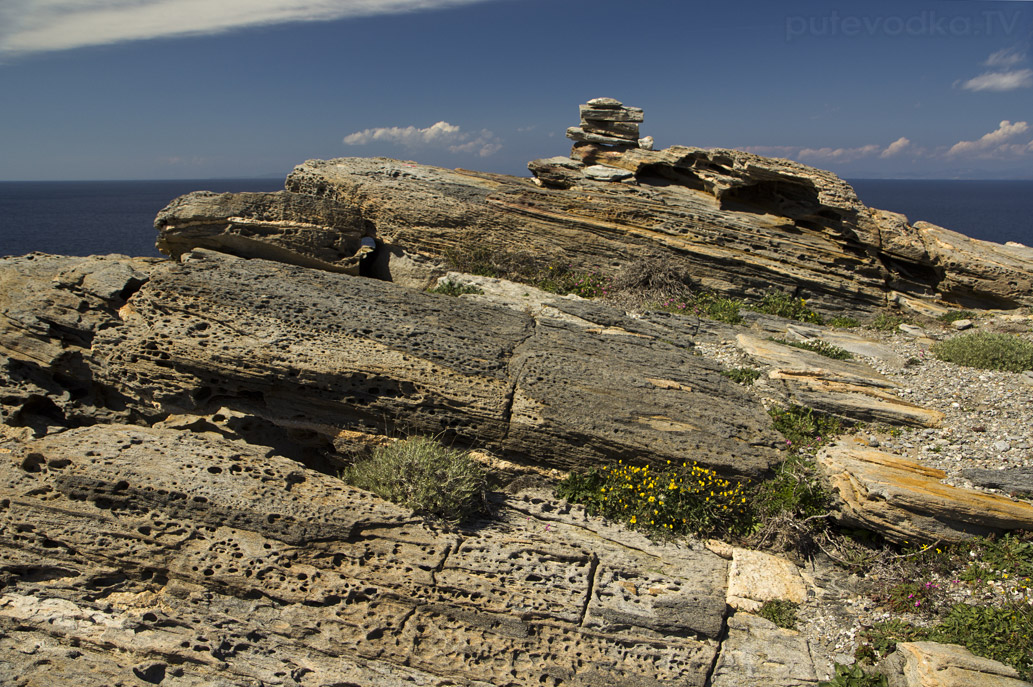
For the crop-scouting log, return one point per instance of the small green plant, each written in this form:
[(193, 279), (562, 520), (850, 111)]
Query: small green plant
[(451, 288), (796, 491), (742, 375), (705, 304), (987, 351), (886, 322), (955, 315), (999, 558), (564, 279), (1001, 628), (914, 596), (476, 259), (672, 500), (854, 676), (1003, 634), (788, 306), (820, 347), (422, 474), (780, 612), (844, 322), (803, 427)]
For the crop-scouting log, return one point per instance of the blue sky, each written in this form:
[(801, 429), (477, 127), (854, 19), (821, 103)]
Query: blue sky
[(166, 89)]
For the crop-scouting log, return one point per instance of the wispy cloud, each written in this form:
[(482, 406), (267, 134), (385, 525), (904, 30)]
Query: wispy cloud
[(1004, 77), (28, 26), (1009, 57), (1000, 81), (438, 135), (996, 143)]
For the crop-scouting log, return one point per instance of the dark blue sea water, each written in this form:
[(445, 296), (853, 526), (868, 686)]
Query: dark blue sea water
[(96, 217), (996, 211)]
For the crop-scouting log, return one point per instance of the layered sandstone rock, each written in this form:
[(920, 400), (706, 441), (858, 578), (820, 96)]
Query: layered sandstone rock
[(739, 224), (172, 557), (907, 502), (315, 353)]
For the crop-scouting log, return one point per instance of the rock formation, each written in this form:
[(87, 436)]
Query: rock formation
[(608, 122), (738, 223), (906, 502), (186, 559), (171, 431)]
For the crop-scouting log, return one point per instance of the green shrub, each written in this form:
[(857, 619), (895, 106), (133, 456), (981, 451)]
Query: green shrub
[(421, 474), (451, 288), (742, 375), (854, 676), (955, 315), (987, 351), (780, 612), (804, 428), (796, 491), (886, 322), (1001, 629), (704, 304), (844, 322), (1003, 634), (788, 306), (820, 347), (677, 499), (564, 279)]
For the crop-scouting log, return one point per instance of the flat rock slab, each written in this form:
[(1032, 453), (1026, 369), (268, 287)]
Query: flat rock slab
[(904, 501), (1017, 481), (845, 388), (310, 350), (756, 577), (929, 664), (849, 342), (137, 550), (757, 653)]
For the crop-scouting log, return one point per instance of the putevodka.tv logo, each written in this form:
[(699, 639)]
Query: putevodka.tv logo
[(928, 23)]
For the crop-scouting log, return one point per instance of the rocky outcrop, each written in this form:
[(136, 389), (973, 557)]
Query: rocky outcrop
[(906, 502), (928, 664), (316, 353), (843, 388), (738, 223), (51, 310), (184, 557)]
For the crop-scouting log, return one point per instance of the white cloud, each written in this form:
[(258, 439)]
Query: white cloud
[(993, 143), (895, 148), (1000, 81), (838, 154), (1009, 57), (438, 135), (407, 136), (28, 26)]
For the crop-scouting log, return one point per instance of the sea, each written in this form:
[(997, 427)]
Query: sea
[(99, 217)]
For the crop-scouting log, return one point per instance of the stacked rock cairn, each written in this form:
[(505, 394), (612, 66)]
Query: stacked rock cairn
[(608, 130), (607, 121)]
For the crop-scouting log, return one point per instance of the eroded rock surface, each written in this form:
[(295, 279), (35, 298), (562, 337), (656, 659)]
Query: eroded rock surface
[(928, 664), (315, 353), (51, 310), (740, 224), (201, 561), (844, 388), (906, 502)]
